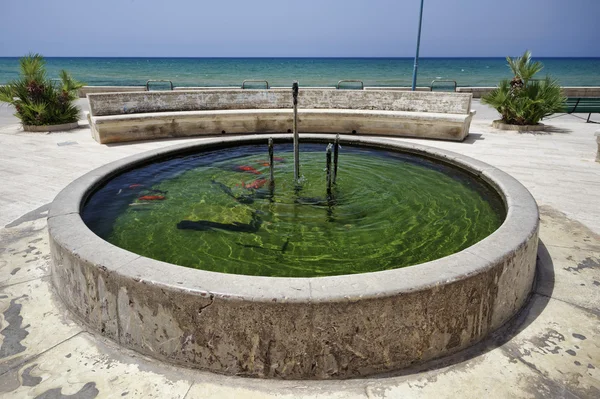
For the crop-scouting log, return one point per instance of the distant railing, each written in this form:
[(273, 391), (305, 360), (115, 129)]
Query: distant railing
[(362, 85), (157, 80), (254, 81), (442, 80)]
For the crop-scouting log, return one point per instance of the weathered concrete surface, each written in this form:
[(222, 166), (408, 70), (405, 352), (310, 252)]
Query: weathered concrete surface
[(136, 127), (51, 128), (573, 270), (477, 92), (85, 90), (418, 88), (550, 350), (78, 367), (498, 124), (122, 117), (28, 259), (24, 270), (381, 100), (315, 328), (556, 165), (581, 91), (568, 91)]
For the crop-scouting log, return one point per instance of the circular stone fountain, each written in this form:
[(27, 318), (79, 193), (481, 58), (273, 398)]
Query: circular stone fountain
[(268, 293)]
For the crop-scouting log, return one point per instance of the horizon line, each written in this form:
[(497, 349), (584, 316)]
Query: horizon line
[(288, 57)]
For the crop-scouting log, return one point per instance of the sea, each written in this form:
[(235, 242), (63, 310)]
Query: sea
[(307, 71)]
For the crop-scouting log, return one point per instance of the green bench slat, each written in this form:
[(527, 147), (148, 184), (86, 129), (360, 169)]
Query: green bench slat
[(582, 105)]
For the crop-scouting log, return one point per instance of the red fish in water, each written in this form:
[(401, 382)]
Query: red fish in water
[(152, 198), (136, 185), (256, 184), (249, 169), (266, 163)]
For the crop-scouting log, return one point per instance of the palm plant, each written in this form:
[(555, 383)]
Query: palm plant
[(525, 100), (39, 100)]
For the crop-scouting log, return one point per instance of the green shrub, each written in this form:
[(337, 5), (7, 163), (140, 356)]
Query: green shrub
[(524, 100), (39, 100)]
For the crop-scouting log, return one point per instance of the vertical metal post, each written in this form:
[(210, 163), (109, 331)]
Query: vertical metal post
[(328, 167), (296, 143), (414, 81), (336, 148), (271, 174), (271, 177)]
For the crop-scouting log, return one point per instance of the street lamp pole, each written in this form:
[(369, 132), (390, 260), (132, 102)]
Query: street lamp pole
[(414, 82)]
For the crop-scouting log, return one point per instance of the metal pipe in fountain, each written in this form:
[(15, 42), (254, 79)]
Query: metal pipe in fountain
[(295, 127), (336, 148), (329, 174), (271, 177), (271, 174)]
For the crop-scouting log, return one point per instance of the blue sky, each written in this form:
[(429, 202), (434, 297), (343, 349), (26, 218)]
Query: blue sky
[(318, 28)]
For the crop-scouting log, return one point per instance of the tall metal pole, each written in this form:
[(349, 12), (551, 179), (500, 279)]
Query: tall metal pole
[(296, 143), (414, 81)]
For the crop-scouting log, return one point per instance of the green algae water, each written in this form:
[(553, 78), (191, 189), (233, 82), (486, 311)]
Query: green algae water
[(217, 211)]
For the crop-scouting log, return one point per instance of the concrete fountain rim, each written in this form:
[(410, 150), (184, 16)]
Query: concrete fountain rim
[(68, 229)]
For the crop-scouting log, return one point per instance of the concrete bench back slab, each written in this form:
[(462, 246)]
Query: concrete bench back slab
[(121, 117), (194, 100)]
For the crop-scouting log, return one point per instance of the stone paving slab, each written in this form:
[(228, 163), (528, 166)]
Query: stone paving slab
[(562, 344), (574, 277), (26, 259), (210, 390), (492, 375), (555, 226), (85, 368), (31, 322)]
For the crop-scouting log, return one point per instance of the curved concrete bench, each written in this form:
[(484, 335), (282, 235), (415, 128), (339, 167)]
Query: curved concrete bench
[(120, 117)]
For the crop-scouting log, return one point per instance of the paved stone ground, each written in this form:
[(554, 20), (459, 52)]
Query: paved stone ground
[(551, 349)]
